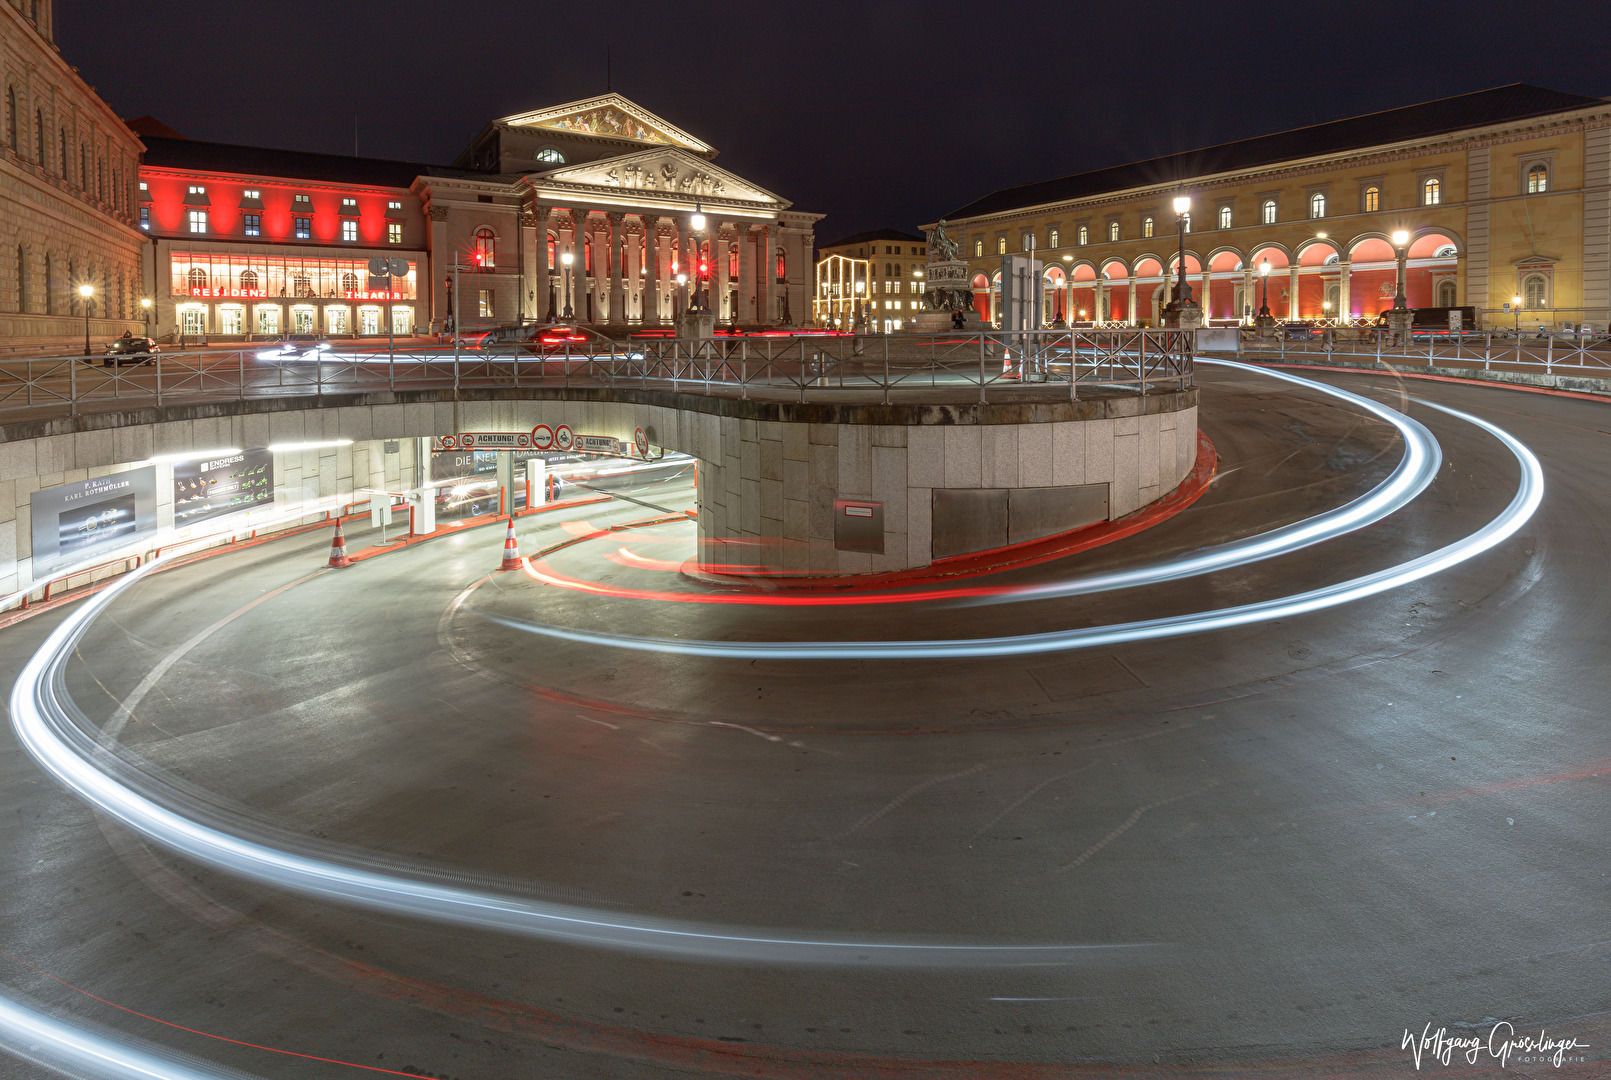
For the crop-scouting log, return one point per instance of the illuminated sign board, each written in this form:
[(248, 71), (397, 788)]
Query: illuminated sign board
[(204, 290), (219, 486)]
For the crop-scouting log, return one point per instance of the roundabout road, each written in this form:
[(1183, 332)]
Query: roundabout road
[(1275, 847)]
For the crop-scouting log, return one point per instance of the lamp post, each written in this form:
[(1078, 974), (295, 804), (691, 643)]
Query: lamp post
[(1264, 304), (567, 259), (86, 291), (1181, 312), (145, 310), (1515, 310), (1399, 317)]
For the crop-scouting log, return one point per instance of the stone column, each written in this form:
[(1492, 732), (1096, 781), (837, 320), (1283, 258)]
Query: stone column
[(718, 272), (746, 276), (1248, 295), (527, 285), (617, 299), (542, 281), (1292, 294), (1344, 301), (767, 302), (1135, 301), (632, 275), (651, 281), (441, 310), (1205, 296)]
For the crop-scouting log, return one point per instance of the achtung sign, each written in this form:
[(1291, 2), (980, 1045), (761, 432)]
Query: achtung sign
[(483, 440), (542, 437)]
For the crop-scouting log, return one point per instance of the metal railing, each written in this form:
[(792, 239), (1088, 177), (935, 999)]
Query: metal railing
[(1550, 353), (1034, 365)]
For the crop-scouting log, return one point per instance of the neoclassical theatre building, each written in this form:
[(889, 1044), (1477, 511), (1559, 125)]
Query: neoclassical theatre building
[(67, 176), (1504, 194), (589, 212)]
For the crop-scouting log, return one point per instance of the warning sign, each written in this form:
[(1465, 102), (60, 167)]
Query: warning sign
[(483, 440)]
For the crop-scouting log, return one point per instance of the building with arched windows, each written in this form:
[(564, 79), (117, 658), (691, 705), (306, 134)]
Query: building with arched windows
[(67, 174), (1504, 194), (283, 240)]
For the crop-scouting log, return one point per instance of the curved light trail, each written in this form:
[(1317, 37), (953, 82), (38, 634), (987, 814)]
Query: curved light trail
[(79, 1050), (1529, 493), (43, 716), (1416, 470)]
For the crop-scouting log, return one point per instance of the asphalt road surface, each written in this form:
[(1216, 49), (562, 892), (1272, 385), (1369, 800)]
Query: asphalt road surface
[(1316, 833)]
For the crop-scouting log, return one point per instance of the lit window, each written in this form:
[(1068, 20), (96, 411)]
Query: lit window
[(248, 279), (394, 232), (252, 224), (301, 202), (394, 206), (349, 206), (486, 303), (1113, 230), (1224, 217), (145, 217), (196, 278), (1537, 179), (143, 191), (1373, 199), (1267, 212), (978, 248), (198, 221), (1052, 238), (303, 227), (1001, 245), (1146, 227), (1431, 192), (1534, 291), (198, 189), (302, 285), (244, 194), (349, 231), (1317, 205), (1084, 236)]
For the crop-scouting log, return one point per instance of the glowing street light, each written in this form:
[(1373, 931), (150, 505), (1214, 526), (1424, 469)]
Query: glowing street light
[(1183, 290), (1515, 310), (567, 259), (86, 291), (1401, 240), (1264, 272)]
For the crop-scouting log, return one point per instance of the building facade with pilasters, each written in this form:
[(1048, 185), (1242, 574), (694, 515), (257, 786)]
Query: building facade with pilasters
[(1503, 198), (590, 212)]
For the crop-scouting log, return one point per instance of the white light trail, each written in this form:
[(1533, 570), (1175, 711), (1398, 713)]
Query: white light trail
[(1529, 493)]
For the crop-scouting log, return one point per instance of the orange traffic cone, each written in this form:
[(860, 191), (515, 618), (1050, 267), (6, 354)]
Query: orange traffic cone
[(511, 549), (338, 549)]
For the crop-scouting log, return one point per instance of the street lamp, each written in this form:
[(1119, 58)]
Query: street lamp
[(145, 310), (1183, 292), (1401, 240), (1515, 310), (86, 291), (568, 258), (1264, 307)]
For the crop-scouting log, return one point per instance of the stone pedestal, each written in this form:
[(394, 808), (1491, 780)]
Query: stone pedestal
[(1399, 320), (697, 324), (1187, 315), (931, 322)]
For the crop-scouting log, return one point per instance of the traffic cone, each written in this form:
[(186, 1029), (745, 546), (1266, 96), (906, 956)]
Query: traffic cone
[(511, 549), (338, 548)]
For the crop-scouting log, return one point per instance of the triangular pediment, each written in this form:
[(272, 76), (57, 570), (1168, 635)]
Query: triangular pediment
[(667, 172), (608, 116)]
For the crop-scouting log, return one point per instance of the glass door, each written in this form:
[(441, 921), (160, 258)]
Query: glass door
[(402, 321), (231, 320), (302, 320), (193, 321), (268, 321), (368, 322)]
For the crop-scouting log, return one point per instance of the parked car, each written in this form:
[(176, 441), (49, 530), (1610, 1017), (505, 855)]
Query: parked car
[(131, 350)]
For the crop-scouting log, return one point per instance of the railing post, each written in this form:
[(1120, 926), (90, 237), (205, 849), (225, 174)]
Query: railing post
[(159, 378), (1549, 353), (1487, 348), (886, 371), (72, 388), (240, 375), (981, 367)]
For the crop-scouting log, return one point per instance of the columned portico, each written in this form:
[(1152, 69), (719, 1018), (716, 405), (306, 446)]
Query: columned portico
[(651, 279), (746, 275)]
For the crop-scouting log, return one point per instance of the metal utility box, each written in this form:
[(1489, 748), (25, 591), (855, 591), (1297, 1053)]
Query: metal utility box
[(858, 525)]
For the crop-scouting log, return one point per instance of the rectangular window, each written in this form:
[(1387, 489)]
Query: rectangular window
[(145, 217), (198, 189), (143, 189), (394, 233), (349, 206), (250, 195), (1001, 245), (486, 303), (1267, 212), (1224, 217), (978, 248), (303, 227), (1373, 199), (1113, 230), (1084, 235), (198, 221), (1053, 238), (252, 224), (394, 206), (349, 231)]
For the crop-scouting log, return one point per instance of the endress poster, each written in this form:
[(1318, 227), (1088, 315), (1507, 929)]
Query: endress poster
[(218, 486), (77, 523)]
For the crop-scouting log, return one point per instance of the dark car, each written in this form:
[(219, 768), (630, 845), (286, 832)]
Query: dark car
[(131, 350)]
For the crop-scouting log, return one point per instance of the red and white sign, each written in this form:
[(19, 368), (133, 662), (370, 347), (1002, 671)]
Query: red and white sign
[(450, 442), (542, 437), (485, 440), (598, 444), (640, 439), (564, 438)]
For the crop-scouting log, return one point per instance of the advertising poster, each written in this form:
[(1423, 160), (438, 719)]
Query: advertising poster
[(472, 476), (212, 488), (80, 522)]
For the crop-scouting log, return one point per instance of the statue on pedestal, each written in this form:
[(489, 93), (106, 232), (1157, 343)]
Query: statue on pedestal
[(949, 293)]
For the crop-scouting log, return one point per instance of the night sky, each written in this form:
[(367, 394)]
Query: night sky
[(876, 114)]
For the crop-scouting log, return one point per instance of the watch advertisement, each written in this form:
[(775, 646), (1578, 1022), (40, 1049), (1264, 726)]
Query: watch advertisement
[(213, 487), (79, 522)]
